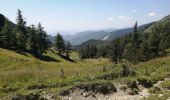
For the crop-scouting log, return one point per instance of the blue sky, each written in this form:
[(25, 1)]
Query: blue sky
[(80, 15)]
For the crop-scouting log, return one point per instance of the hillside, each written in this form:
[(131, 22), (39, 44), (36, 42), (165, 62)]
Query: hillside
[(24, 70), (118, 33), (159, 24), (98, 43), (26, 75), (85, 36)]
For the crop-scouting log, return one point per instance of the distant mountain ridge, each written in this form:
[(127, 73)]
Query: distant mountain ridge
[(104, 35), (79, 39), (121, 32)]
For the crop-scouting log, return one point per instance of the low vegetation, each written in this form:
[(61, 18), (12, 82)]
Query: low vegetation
[(26, 74)]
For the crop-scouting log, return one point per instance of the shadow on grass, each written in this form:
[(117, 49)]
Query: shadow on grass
[(22, 53), (43, 57), (66, 58), (46, 58)]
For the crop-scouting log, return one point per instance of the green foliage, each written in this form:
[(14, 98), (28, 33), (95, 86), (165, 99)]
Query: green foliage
[(103, 87), (142, 45), (166, 84), (145, 81), (21, 28), (125, 71), (59, 43), (155, 90), (22, 38), (68, 49), (88, 51), (116, 51)]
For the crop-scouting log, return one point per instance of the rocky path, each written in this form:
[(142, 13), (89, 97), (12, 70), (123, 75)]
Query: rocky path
[(119, 95)]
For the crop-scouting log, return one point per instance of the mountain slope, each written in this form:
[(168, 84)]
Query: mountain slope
[(121, 32), (159, 24), (98, 43), (85, 36)]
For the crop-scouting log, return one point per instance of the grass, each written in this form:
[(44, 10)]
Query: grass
[(21, 71), (166, 84), (25, 74)]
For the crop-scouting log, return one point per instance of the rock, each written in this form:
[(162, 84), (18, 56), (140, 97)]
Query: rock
[(81, 93), (160, 95), (87, 94), (43, 92), (18, 97)]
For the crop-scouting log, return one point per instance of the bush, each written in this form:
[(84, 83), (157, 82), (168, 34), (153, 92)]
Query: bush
[(103, 87), (155, 90), (97, 86), (125, 71), (166, 84), (144, 81), (132, 85)]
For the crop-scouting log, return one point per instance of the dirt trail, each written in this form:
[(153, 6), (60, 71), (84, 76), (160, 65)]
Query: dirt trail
[(119, 95)]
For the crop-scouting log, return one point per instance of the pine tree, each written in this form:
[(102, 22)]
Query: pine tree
[(7, 35), (132, 47), (154, 45), (34, 46), (22, 32), (116, 52), (102, 51), (1, 39), (42, 41), (82, 54), (68, 48), (2, 23), (59, 42)]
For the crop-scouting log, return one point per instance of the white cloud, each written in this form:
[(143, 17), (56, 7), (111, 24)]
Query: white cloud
[(151, 14), (110, 18), (134, 11), (124, 17)]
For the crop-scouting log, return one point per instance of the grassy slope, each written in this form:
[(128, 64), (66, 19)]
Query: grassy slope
[(18, 71), (26, 74)]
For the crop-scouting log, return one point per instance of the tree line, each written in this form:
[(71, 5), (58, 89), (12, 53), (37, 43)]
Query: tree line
[(34, 39), (24, 38), (137, 46), (141, 45), (63, 47)]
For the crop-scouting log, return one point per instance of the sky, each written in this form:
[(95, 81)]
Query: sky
[(71, 16)]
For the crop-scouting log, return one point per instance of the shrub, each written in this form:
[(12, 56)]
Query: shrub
[(166, 84), (132, 85), (97, 86), (144, 81), (155, 90), (125, 71)]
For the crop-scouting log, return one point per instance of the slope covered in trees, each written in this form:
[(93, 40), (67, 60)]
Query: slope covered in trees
[(21, 37), (139, 45)]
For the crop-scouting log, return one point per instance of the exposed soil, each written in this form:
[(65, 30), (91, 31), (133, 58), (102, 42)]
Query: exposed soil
[(79, 94)]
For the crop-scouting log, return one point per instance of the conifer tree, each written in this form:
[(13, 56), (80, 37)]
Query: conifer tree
[(22, 32), (42, 39), (34, 46), (116, 51), (59, 43), (7, 35), (68, 48)]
